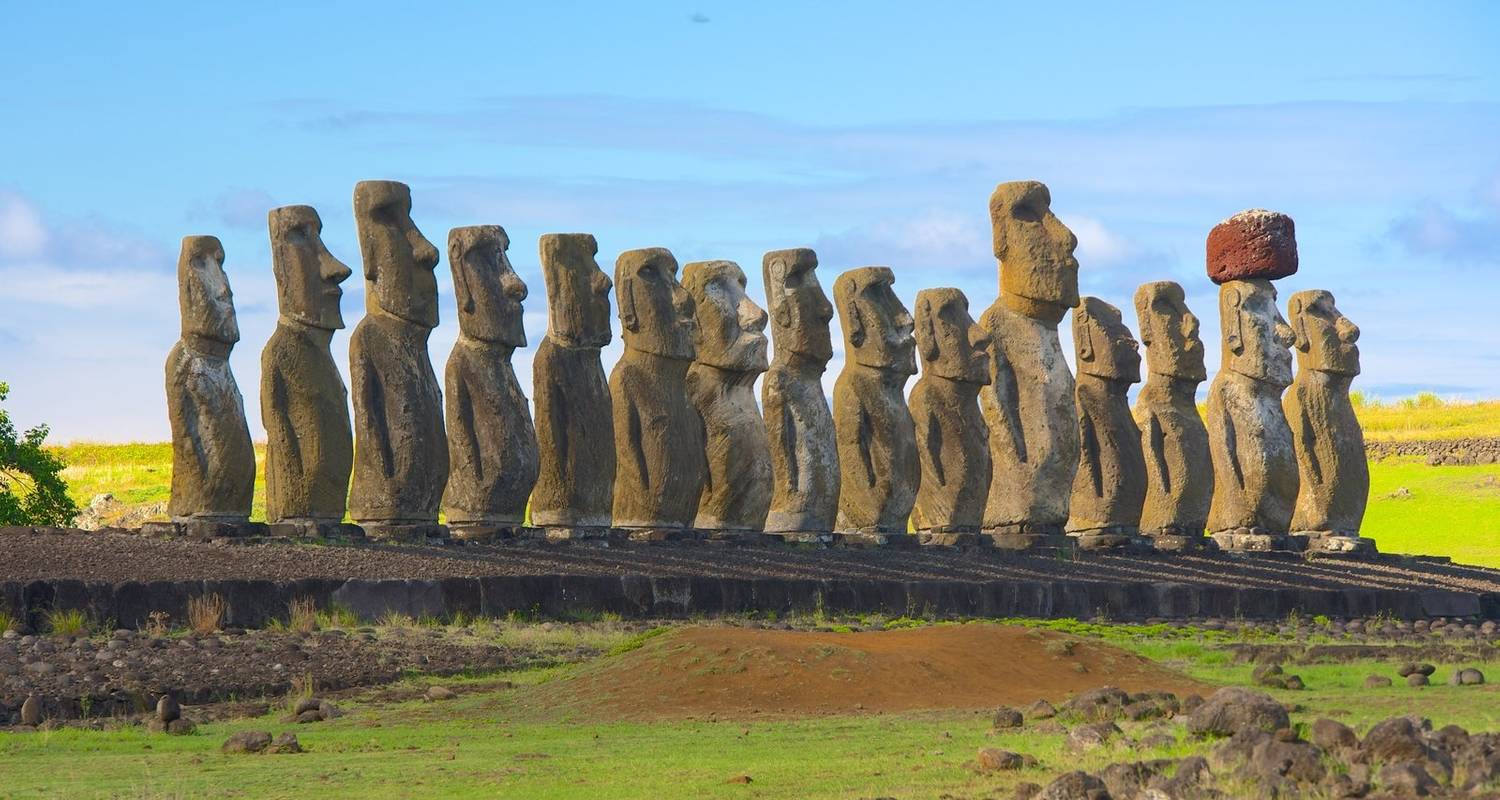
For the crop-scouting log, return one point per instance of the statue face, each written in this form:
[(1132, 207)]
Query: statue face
[(1037, 269), (877, 327), (656, 313), (1256, 338), (1169, 331), (307, 275), (399, 261), (952, 344), (577, 290), (731, 327), (800, 311), (1324, 337), (1105, 348), (203, 293), (488, 290)]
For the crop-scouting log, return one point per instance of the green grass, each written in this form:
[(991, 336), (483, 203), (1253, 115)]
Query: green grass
[(1450, 511)]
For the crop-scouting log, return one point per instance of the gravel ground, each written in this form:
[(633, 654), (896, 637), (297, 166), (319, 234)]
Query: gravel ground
[(27, 555)]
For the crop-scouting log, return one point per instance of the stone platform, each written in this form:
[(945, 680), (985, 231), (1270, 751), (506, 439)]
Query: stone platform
[(126, 577)]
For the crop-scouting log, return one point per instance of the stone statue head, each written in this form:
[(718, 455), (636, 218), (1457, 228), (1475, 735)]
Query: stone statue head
[(488, 290), (656, 313), (952, 344), (1256, 338), (577, 290), (307, 275), (800, 311), (203, 294), (1103, 344), (1038, 272), (877, 327), (731, 327), (1169, 331), (399, 261), (1324, 337)]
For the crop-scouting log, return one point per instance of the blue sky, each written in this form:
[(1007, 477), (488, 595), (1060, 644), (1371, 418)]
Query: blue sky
[(871, 131)]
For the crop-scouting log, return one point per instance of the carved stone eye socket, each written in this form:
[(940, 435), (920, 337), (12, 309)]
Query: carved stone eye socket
[(1025, 213)]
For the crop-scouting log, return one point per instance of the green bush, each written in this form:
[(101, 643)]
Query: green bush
[(31, 490)]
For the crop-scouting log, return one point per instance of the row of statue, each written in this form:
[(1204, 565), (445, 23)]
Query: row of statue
[(997, 443)]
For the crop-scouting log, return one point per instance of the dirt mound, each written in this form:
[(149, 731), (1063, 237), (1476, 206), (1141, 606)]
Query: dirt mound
[(738, 672)]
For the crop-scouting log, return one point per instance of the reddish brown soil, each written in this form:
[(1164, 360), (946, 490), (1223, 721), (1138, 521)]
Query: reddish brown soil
[(740, 672)]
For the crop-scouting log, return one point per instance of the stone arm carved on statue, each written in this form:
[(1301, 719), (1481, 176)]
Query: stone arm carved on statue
[(281, 432), (1089, 466), (1004, 394), (468, 437), (1161, 464), (874, 452), (787, 431), (930, 430), (549, 394), (1318, 450), (367, 383), (188, 443)]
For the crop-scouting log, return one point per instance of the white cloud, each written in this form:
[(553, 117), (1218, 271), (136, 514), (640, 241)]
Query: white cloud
[(22, 234)]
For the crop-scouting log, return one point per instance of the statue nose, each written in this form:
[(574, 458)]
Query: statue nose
[(1348, 331), (752, 316), (515, 288)]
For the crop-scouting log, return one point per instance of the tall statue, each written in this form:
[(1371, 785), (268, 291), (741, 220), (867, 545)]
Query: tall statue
[(1179, 469), (303, 403), (660, 467), (952, 439), (574, 426), (799, 423), (401, 449), (731, 354), (492, 449), (876, 435), (1255, 462), (1335, 476), (1029, 404), (213, 462), (1110, 487)]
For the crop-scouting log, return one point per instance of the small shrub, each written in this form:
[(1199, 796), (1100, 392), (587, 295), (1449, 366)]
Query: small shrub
[(206, 613), (158, 623), (337, 616), (395, 619), (8, 622), (32, 491), (302, 615), (67, 623)]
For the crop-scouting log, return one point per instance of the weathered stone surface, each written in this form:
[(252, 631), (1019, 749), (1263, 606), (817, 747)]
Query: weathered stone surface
[(1334, 473), (799, 423), (401, 449), (1252, 245), (1174, 440), (660, 467), (247, 742), (1029, 404), (303, 403), (1110, 486), (877, 438), (1231, 709), (952, 439), (1255, 463), (492, 449), (731, 354), (213, 462), (574, 423)]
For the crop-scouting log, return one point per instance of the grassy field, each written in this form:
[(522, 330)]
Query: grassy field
[(495, 741)]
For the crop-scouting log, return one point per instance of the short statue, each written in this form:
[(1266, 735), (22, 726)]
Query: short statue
[(1335, 476), (303, 403), (1029, 404), (1179, 469), (952, 438), (1110, 487), (877, 438), (660, 467), (574, 427), (401, 450), (799, 423), (731, 354), (1255, 462), (492, 449), (213, 462)]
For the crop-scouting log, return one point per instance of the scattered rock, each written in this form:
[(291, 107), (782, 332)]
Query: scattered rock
[(1104, 704), (1027, 791), (1091, 735), (1333, 736), (741, 779), (306, 704), (31, 711), (1377, 682), (1467, 677), (1417, 679), (1408, 778), (1264, 671), (167, 708), (1041, 709), (180, 727), (1007, 717), (284, 744), (1075, 786), (247, 742), (440, 693), (991, 759), (1232, 709)]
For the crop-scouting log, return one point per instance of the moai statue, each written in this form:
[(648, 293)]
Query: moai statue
[(1029, 404), (574, 425), (213, 462), (492, 449), (303, 403), (1335, 476), (401, 450), (1179, 470), (1255, 462), (660, 466), (1110, 487), (799, 423), (876, 435), (952, 439), (731, 354)]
